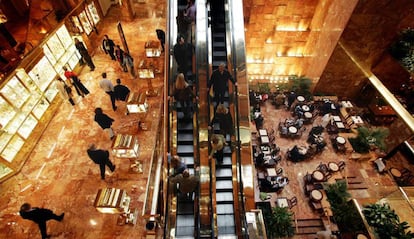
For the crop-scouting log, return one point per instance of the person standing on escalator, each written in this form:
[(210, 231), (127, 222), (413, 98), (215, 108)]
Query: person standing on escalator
[(218, 81)]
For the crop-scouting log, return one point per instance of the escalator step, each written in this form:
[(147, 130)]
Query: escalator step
[(224, 172), (185, 126), (226, 161), (184, 232), (188, 160), (224, 184), (184, 220), (185, 149), (185, 137), (225, 209), (219, 53), (224, 196)]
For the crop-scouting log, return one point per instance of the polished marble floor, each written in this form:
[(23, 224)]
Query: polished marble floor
[(60, 176)]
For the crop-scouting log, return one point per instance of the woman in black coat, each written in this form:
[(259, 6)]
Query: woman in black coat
[(104, 121), (224, 119)]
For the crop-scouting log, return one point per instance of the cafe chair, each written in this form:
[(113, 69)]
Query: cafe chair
[(341, 165), (293, 202), (270, 132), (308, 178), (279, 171)]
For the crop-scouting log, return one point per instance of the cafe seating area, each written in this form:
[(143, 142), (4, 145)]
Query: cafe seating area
[(315, 156)]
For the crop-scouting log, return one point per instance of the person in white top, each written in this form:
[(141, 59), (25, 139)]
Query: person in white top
[(108, 87)]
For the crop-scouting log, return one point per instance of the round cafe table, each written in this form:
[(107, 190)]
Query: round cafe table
[(361, 236), (395, 172), (317, 175), (340, 140), (333, 166), (316, 195), (300, 98), (308, 115), (293, 130), (305, 108)]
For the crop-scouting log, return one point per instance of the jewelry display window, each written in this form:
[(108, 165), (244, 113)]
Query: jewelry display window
[(56, 46), (51, 93), (77, 23), (15, 92), (30, 104), (40, 108), (7, 113), (64, 36), (27, 127), (27, 81), (49, 55), (93, 13), (12, 148), (74, 59), (85, 23), (4, 170), (43, 73)]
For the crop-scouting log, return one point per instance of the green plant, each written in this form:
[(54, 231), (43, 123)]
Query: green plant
[(263, 88), (301, 85), (386, 222), (368, 138), (343, 209), (280, 223)]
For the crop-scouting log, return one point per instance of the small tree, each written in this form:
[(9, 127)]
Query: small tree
[(386, 222), (280, 223)]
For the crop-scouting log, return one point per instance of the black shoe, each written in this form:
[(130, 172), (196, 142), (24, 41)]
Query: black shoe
[(115, 108), (61, 217), (113, 169), (112, 137)]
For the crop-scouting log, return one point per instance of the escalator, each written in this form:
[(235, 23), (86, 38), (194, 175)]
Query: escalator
[(185, 221), (226, 225)]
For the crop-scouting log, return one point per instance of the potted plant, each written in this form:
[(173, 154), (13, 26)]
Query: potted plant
[(280, 223), (343, 209), (368, 139), (386, 222), (300, 85)]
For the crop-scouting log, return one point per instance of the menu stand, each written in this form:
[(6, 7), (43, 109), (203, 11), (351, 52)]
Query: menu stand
[(126, 146)]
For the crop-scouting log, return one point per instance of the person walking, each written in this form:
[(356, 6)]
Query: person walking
[(40, 216), (105, 122), (182, 55), (217, 147), (108, 47), (128, 63), (183, 93), (177, 164), (161, 38), (121, 91), (74, 79), (183, 23), (101, 157), (84, 53), (218, 81), (119, 54), (108, 87), (64, 90)]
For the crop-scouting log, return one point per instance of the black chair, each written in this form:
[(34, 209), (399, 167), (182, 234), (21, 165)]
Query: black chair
[(341, 165), (293, 202)]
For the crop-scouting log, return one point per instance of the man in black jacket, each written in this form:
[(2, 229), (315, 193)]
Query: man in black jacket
[(218, 81), (183, 55), (100, 157), (39, 216), (121, 91), (108, 46)]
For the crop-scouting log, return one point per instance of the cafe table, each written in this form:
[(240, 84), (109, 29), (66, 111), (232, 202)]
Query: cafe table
[(271, 172), (317, 175), (340, 140), (333, 166), (293, 130), (300, 98), (264, 139), (316, 195), (262, 132), (395, 173), (308, 115), (361, 236), (340, 125), (336, 118), (357, 119), (282, 202), (305, 108)]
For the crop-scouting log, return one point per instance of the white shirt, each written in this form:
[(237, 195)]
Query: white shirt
[(106, 85)]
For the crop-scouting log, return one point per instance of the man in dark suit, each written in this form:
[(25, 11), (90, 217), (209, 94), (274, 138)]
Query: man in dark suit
[(218, 81), (39, 216), (100, 157), (121, 91)]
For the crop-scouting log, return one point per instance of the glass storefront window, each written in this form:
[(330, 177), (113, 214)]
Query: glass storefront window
[(43, 73), (12, 148), (85, 23), (93, 14), (4, 170), (15, 92)]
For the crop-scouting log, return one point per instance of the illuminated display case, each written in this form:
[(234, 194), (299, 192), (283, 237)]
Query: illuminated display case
[(116, 201), (27, 95), (153, 49), (92, 13), (125, 146), (145, 70), (137, 103), (4, 170), (85, 23)]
